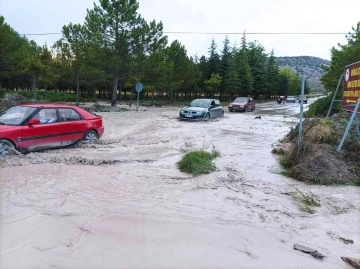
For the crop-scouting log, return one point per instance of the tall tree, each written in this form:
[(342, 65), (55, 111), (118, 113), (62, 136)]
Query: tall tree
[(231, 79), (124, 33), (341, 57), (214, 61), (244, 70), (73, 44), (257, 62), (272, 75), (225, 64)]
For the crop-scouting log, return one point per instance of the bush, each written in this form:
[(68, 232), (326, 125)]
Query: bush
[(198, 162), (52, 96), (321, 106)]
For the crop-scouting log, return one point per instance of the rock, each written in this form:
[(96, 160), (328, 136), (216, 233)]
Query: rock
[(354, 262), (310, 251)]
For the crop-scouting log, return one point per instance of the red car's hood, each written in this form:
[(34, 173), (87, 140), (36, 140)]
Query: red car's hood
[(4, 128), (238, 104)]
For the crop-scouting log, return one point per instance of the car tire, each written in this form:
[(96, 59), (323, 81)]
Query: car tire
[(230, 110), (247, 109), (4, 147), (253, 108), (206, 116), (90, 137), (222, 114)]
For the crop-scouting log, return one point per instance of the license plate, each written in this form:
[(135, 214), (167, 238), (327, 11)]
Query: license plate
[(188, 116)]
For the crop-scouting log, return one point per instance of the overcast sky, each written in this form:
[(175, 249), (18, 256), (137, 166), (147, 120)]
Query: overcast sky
[(48, 16)]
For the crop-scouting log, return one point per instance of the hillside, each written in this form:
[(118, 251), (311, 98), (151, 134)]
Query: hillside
[(310, 65)]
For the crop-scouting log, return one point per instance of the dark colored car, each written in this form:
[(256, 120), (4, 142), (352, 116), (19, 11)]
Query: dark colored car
[(242, 104), (32, 127), (291, 99), (304, 100), (202, 109)]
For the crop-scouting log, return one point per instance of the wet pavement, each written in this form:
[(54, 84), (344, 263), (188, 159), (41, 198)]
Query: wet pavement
[(122, 203)]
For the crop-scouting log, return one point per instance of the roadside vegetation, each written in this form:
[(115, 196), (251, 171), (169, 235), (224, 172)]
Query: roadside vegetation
[(198, 162), (317, 161)]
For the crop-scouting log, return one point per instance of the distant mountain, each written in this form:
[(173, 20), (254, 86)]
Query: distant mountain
[(309, 65)]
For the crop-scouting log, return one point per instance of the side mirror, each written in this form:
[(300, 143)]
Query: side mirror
[(33, 121)]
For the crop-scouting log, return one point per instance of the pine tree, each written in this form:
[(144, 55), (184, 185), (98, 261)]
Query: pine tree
[(213, 62), (224, 64), (272, 75)]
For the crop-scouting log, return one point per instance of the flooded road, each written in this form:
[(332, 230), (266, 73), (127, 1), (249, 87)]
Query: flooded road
[(123, 203)]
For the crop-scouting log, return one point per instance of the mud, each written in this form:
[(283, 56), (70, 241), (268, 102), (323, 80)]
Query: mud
[(122, 203)]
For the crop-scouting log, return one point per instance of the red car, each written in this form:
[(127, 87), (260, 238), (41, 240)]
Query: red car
[(242, 104), (32, 127)]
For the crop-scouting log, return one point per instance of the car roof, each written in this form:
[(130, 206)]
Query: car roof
[(49, 105)]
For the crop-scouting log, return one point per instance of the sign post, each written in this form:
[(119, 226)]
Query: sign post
[(138, 88), (301, 111), (351, 97)]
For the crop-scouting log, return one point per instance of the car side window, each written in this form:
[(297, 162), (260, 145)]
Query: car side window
[(47, 115), (68, 114), (212, 103), (217, 103)]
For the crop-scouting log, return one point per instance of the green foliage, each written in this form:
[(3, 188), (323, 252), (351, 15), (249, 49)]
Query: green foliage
[(321, 106), (341, 57), (52, 96), (290, 82), (198, 162), (257, 62)]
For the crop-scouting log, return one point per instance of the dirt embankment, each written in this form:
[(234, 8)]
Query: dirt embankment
[(318, 161)]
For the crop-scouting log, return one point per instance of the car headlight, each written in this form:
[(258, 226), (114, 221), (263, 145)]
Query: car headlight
[(230, 105)]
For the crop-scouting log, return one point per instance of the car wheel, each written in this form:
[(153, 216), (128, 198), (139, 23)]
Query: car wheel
[(230, 110), (247, 109), (253, 108), (222, 114), (90, 137), (207, 116), (5, 147)]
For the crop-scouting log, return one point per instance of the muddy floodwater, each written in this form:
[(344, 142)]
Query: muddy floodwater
[(123, 203)]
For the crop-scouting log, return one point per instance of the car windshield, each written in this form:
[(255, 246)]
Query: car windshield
[(200, 103), (15, 115), (241, 100)]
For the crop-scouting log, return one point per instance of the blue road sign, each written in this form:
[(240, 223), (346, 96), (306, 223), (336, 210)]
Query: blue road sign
[(139, 87)]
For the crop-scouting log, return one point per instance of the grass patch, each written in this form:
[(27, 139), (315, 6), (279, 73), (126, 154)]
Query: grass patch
[(357, 182), (286, 172), (198, 162), (307, 202), (321, 131)]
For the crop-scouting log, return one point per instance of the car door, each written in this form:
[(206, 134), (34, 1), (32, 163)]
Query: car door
[(73, 126), (212, 109), (46, 134), (252, 104), (218, 108)]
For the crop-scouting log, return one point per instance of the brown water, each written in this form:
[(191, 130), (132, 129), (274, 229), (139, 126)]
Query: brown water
[(59, 210)]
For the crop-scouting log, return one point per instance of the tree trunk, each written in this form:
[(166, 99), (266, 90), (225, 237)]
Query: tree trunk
[(153, 88), (35, 93), (113, 98), (46, 93), (77, 86)]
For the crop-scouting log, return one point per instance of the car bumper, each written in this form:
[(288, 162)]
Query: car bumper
[(237, 108), (100, 131), (190, 117)]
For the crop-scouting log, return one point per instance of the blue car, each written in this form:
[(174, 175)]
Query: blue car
[(202, 109)]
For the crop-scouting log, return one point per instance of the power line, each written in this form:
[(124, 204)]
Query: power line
[(226, 33)]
